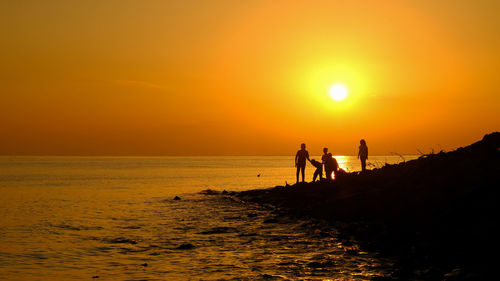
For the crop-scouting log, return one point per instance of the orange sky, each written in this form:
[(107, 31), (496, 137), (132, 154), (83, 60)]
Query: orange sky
[(246, 77)]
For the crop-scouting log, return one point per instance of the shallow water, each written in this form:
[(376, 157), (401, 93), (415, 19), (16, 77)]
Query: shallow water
[(77, 218)]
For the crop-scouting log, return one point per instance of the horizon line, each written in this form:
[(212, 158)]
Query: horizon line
[(139, 156)]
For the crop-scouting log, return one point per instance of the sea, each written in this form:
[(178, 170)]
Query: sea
[(115, 218)]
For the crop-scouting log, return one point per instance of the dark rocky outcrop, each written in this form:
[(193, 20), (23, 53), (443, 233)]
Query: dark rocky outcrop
[(435, 214)]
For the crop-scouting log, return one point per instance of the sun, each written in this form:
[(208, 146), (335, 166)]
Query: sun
[(338, 92)]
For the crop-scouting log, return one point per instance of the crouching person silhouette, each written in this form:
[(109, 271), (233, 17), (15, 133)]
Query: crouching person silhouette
[(319, 169)]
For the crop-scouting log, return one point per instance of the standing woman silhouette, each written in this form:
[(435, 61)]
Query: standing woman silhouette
[(363, 154)]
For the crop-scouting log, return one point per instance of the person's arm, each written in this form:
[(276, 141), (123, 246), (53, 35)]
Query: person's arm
[(359, 152), (296, 156), (307, 156), (367, 152)]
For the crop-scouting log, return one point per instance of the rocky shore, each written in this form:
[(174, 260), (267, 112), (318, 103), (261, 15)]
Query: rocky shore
[(436, 216)]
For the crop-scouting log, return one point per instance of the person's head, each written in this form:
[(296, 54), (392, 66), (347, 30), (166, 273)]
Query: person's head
[(313, 160), (362, 142), (325, 150), (329, 154), (303, 146)]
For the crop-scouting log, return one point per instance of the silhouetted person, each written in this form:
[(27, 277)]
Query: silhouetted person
[(327, 162), (363, 154), (300, 161), (319, 169), (333, 165), (324, 159)]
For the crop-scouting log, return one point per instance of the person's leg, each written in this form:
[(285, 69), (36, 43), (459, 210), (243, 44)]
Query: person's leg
[(315, 175), (298, 171), (303, 173), (363, 164)]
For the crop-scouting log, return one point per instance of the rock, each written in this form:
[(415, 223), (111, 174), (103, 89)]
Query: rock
[(225, 192), (270, 277), (186, 246), (323, 264), (145, 264), (453, 275), (247, 234), (95, 276), (381, 278), (121, 240), (131, 227), (454, 272), (314, 264), (177, 198), (272, 220), (210, 192), (219, 230)]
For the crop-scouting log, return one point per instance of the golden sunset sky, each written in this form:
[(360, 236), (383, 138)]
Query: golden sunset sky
[(246, 77)]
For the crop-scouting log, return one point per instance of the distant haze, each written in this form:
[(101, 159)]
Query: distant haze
[(246, 77)]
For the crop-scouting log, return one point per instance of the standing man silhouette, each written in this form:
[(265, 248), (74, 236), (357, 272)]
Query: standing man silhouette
[(300, 161), (325, 159)]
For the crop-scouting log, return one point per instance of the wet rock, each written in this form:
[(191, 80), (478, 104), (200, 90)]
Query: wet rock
[(322, 264), (121, 240), (314, 264), (252, 215), (131, 227), (71, 227), (186, 246), (177, 198), (271, 220), (225, 192), (210, 192), (453, 273), (247, 234), (270, 277), (144, 264), (95, 276), (232, 218), (220, 230), (381, 278), (287, 263)]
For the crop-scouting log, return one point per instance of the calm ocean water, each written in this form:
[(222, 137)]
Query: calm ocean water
[(113, 218)]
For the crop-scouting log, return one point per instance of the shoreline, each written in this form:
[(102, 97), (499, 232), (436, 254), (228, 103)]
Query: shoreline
[(435, 215)]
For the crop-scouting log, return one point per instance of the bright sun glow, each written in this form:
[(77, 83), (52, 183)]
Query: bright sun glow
[(338, 92)]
